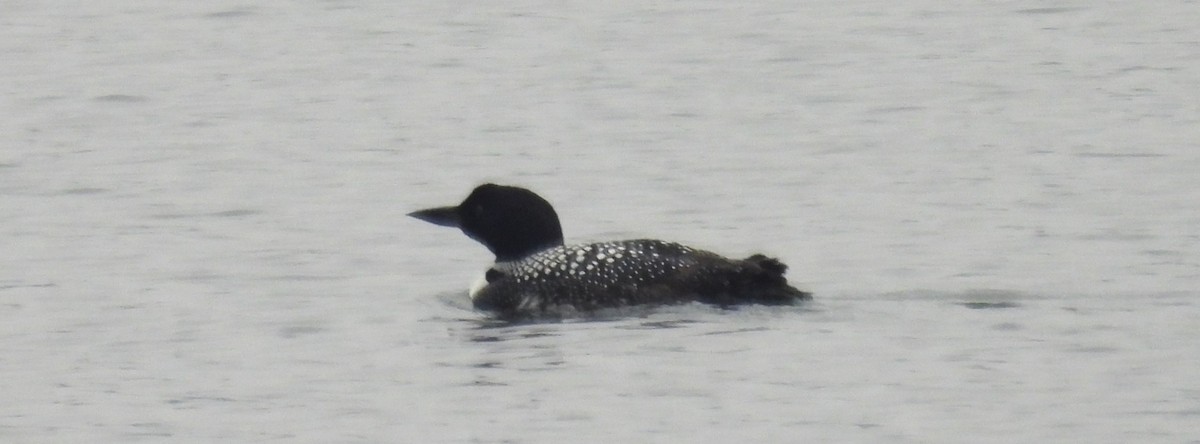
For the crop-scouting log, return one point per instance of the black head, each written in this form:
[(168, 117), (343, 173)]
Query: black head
[(512, 222)]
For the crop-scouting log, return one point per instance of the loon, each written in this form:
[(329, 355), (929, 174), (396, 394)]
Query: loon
[(535, 274)]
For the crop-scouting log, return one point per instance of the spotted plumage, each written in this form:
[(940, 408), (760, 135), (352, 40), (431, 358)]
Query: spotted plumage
[(601, 263), (535, 274)]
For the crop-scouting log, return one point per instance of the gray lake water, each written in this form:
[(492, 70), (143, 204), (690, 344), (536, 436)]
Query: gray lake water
[(995, 204)]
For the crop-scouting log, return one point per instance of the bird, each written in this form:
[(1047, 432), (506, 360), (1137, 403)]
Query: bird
[(536, 275)]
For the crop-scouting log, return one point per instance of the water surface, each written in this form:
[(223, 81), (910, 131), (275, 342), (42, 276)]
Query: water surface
[(203, 206)]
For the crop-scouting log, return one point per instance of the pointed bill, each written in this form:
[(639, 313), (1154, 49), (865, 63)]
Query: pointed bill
[(444, 216)]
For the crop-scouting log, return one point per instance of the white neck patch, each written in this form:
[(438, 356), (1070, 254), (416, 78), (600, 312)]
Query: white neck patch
[(478, 287)]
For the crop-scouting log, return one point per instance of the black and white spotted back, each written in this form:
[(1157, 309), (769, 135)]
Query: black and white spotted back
[(602, 264), (613, 274)]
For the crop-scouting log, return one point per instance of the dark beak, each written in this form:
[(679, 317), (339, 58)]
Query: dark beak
[(444, 216)]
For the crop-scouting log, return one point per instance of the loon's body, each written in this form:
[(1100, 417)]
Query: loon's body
[(536, 274)]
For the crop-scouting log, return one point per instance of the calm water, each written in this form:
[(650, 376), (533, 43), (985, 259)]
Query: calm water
[(995, 204)]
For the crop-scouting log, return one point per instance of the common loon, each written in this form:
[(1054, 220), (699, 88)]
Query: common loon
[(536, 275)]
